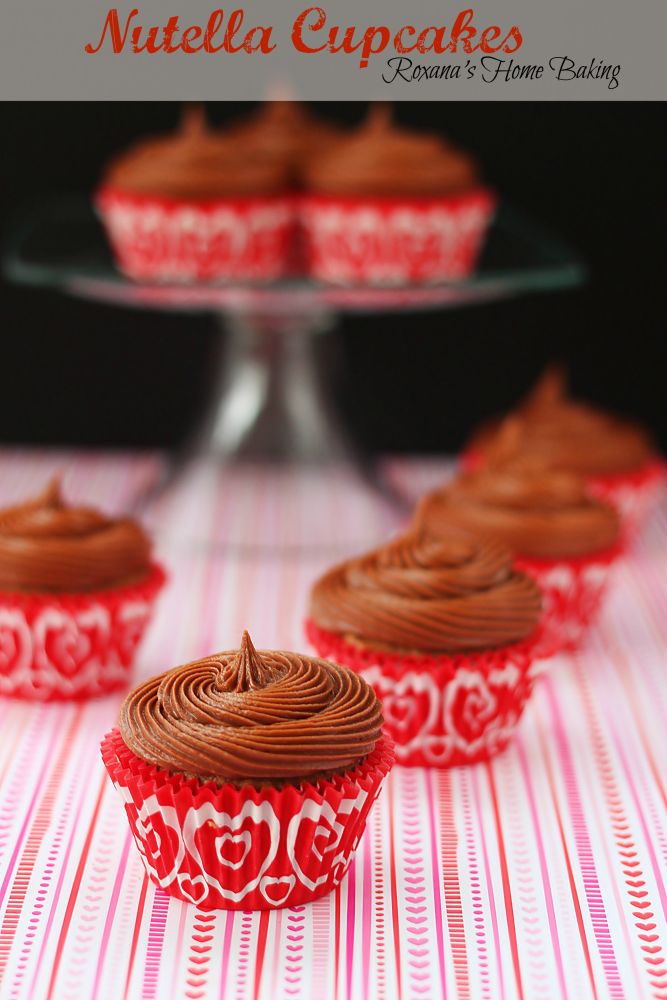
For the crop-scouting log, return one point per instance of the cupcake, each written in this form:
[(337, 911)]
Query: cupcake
[(77, 590), (248, 776), (564, 538), (445, 630), (616, 456), (197, 206), (389, 206)]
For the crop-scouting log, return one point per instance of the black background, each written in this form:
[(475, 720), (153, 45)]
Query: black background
[(78, 372)]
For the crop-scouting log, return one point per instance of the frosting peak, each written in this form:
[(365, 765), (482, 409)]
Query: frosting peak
[(248, 715), (48, 546), (424, 594), (247, 671)]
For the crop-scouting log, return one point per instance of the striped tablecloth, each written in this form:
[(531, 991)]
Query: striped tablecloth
[(541, 875)]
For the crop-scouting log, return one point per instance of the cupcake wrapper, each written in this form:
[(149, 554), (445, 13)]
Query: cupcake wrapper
[(71, 646), (395, 241), (158, 239), (224, 847), (572, 594), (441, 710), (634, 495)]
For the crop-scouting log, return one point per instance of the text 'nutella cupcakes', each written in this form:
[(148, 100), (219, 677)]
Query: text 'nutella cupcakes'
[(616, 456), (445, 631), (389, 206), (559, 534), (195, 206), (77, 590), (248, 776)]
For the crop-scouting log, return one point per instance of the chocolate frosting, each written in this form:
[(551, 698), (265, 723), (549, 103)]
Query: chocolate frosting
[(381, 159), (418, 594), (286, 131), (47, 546), (535, 510), (195, 163), (570, 434), (245, 715)]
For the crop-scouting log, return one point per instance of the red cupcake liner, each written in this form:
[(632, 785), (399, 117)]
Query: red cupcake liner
[(441, 711), (634, 495), (224, 847), (72, 646), (572, 595), (394, 241), (162, 239)]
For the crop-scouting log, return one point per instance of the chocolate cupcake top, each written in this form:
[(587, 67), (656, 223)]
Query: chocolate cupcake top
[(249, 716), (570, 434), (446, 595), (47, 546), (195, 163), (285, 131), (535, 510), (381, 159)]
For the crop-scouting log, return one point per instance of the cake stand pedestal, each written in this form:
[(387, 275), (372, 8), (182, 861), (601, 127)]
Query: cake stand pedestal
[(270, 405)]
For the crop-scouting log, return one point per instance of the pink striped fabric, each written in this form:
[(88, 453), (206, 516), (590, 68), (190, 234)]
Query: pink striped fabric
[(541, 875)]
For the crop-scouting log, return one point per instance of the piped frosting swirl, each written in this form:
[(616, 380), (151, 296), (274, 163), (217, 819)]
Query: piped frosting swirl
[(47, 546), (381, 159), (568, 433), (535, 510), (244, 715), (446, 595)]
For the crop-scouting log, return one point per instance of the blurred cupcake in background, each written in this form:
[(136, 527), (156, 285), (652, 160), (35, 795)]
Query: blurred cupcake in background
[(389, 206), (564, 538), (615, 456), (289, 134), (445, 630), (77, 590), (248, 776), (196, 205)]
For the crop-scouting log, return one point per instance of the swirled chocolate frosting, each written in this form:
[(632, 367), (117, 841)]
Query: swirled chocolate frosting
[(381, 159), (47, 546), (446, 595), (535, 510), (245, 715), (569, 434), (194, 163)]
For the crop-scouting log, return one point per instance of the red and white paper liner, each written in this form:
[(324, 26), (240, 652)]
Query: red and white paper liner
[(229, 239), (228, 847), (72, 646), (441, 711), (634, 495), (394, 241), (572, 594)]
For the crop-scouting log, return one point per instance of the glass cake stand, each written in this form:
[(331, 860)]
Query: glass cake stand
[(270, 408)]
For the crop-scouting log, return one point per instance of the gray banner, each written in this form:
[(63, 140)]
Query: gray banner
[(550, 50)]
